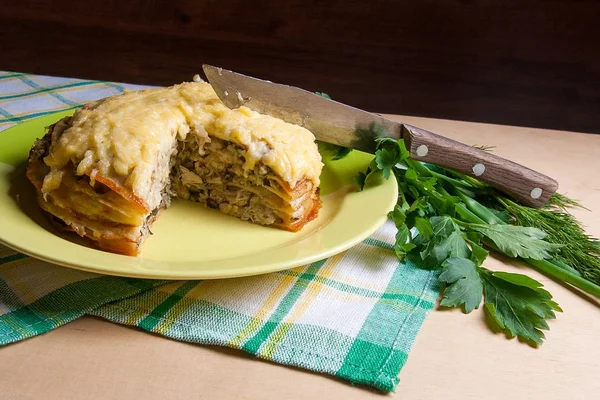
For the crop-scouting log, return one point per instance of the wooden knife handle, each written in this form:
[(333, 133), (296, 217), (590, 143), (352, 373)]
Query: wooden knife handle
[(521, 183)]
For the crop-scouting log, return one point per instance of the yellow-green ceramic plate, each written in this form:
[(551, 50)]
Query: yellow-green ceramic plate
[(190, 241)]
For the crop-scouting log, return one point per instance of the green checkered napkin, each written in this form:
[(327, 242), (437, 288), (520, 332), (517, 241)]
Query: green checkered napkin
[(354, 315)]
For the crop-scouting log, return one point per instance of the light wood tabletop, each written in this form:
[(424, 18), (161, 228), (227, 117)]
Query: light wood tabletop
[(455, 356)]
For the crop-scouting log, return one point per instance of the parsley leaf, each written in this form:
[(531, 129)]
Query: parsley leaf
[(438, 250), (341, 152), (397, 215), (402, 244), (424, 227), (478, 253), (443, 226), (386, 160), (361, 179), (387, 155), (447, 241), (517, 241), (333, 151), (464, 285), (404, 153), (518, 304)]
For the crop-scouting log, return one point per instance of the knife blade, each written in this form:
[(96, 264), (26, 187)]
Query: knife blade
[(343, 125)]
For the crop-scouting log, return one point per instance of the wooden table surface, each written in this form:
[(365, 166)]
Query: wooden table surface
[(455, 356)]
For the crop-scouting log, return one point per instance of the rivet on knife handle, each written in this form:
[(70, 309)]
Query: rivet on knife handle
[(521, 183)]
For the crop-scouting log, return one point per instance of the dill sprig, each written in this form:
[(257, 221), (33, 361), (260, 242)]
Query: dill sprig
[(579, 250), (563, 202)]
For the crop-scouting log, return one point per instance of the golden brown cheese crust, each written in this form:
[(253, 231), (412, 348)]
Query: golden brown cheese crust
[(106, 174), (122, 137)]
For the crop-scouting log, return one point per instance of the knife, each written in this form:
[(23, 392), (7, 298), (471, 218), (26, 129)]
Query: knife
[(347, 126)]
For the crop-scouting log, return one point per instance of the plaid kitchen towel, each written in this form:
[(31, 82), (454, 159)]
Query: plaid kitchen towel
[(354, 315)]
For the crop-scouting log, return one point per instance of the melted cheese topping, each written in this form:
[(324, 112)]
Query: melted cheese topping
[(127, 137)]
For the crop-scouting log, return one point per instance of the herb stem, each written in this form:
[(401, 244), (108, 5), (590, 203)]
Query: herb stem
[(419, 167), (452, 181), (470, 180), (550, 269), (478, 209), (467, 215), (564, 265)]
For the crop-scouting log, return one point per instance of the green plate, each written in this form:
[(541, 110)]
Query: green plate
[(190, 241)]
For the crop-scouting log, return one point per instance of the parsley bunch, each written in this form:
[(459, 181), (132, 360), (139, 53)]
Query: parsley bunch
[(444, 220)]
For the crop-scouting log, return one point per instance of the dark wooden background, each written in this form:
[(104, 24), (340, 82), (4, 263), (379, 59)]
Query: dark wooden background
[(529, 63)]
